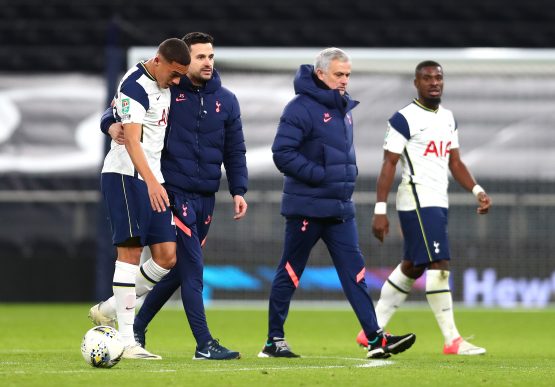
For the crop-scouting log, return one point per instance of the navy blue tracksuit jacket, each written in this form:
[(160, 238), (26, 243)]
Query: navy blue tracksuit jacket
[(314, 150)]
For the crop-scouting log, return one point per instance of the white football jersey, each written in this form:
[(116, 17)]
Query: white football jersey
[(140, 100), (423, 138)]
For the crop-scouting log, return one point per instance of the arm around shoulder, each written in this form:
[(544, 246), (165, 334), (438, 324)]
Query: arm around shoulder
[(111, 127), (106, 120)]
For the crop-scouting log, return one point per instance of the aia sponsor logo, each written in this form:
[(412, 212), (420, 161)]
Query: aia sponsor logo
[(438, 149)]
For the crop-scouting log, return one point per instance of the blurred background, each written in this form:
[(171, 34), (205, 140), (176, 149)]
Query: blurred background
[(60, 62)]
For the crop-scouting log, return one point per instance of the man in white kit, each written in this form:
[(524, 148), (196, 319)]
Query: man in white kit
[(424, 136), (137, 203)]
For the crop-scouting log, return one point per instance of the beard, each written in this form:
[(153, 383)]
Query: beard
[(198, 79), (431, 101)]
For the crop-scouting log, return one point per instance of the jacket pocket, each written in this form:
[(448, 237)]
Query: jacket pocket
[(325, 155)]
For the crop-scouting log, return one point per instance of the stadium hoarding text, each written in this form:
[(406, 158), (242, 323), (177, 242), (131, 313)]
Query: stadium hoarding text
[(485, 288), (479, 287)]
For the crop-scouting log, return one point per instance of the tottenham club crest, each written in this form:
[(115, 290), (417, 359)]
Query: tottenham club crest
[(436, 247)]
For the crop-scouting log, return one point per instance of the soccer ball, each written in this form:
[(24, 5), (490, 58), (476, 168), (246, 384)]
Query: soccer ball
[(102, 347)]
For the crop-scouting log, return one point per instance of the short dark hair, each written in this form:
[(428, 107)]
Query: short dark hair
[(197, 37), (175, 50), (426, 63)]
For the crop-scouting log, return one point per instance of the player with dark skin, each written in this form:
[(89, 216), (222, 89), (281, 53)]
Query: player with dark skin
[(429, 85), (425, 137)]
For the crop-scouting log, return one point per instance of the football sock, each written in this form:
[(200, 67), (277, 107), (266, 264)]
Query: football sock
[(143, 285), (148, 275), (108, 307), (140, 301), (439, 297), (394, 292), (374, 336), (124, 294)]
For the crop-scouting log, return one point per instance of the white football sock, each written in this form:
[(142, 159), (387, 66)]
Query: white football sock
[(140, 301), (148, 275), (142, 287), (124, 294), (108, 307), (439, 297), (394, 291)]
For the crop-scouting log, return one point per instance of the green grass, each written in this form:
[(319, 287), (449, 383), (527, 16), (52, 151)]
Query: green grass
[(39, 346)]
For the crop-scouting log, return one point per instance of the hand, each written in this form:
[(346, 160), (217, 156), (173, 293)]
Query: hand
[(484, 202), (158, 196), (116, 132), (380, 226), (240, 207)]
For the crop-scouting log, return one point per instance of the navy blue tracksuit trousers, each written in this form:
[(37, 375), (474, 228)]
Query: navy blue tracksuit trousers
[(192, 216), (341, 239)]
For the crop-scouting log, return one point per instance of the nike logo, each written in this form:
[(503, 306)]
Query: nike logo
[(207, 354), (327, 119), (129, 308), (177, 99), (157, 98)]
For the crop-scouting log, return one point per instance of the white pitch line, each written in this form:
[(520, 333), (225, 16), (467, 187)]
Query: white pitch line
[(375, 363), (83, 371), (34, 351), (364, 364), (378, 363), (270, 368)]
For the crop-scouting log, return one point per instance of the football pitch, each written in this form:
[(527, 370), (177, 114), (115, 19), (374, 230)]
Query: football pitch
[(39, 346)]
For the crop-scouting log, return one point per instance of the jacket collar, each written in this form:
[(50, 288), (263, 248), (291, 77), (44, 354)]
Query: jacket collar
[(305, 84)]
